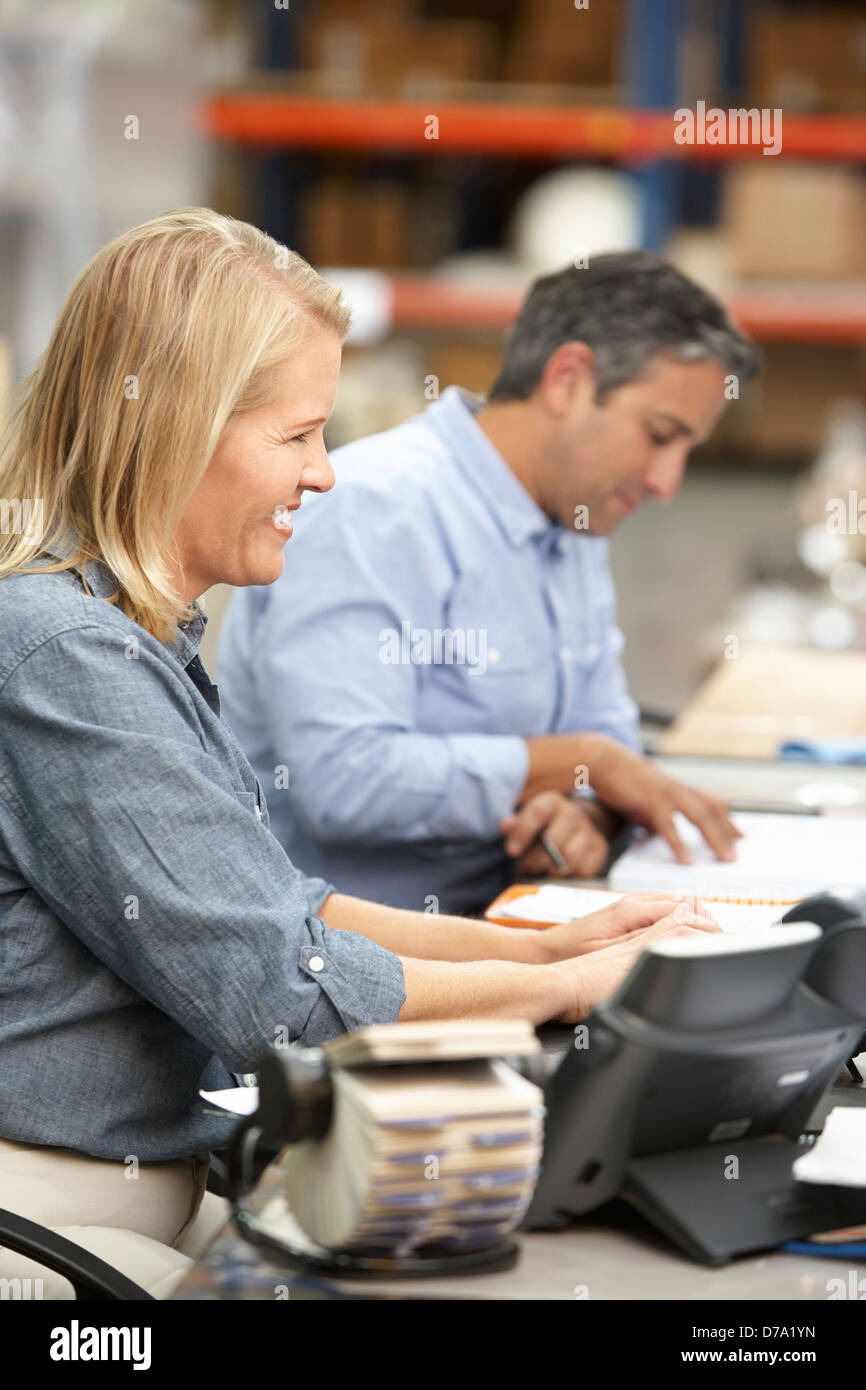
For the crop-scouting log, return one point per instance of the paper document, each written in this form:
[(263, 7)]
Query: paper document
[(779, 860), (839, 1154), (240, 1100)]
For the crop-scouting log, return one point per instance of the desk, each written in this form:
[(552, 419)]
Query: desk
[(622, 1261), (725, 740), (759, 784), (765, 696)]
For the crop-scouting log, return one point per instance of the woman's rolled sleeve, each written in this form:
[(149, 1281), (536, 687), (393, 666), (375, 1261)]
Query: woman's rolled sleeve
[(139, 837), (354, 982)]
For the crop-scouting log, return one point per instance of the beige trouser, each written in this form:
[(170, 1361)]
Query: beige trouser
[(150, 1222)]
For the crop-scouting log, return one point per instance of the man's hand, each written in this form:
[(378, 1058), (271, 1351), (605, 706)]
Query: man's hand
[(569, 829), (592, 979), (624, 921), (648, 797)]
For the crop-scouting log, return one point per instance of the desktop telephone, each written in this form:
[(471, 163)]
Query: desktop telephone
[(692, 1090)]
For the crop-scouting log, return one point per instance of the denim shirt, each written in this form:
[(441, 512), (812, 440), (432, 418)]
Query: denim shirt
[(154, 935)]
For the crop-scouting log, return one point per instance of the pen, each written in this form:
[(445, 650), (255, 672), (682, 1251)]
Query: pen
[(551, 850)]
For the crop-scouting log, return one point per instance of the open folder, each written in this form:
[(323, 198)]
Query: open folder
[(780, 860), (545, 905)]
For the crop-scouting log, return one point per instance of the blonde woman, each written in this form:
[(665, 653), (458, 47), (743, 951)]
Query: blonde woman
[(154, 936)]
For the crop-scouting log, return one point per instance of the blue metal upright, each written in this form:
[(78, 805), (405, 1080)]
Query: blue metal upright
[(281, 176), (652, 81)]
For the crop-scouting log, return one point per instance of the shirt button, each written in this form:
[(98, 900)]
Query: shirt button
[(493, 655), (249, 1078), (592, 652), (316, 963), (565, 653)]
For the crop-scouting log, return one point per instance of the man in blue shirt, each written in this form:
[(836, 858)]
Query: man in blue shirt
[(437, 670)]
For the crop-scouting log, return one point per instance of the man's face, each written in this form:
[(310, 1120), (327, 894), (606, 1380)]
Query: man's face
[(264, 462), (611, 457)]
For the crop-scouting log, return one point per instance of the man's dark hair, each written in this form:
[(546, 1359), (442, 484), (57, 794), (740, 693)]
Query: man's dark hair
[(627, 306)]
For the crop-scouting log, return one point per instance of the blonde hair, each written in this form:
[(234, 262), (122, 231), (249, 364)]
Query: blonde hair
[(169, 331)]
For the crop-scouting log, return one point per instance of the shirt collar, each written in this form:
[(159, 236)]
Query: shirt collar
[(517, 514), (103, 584)]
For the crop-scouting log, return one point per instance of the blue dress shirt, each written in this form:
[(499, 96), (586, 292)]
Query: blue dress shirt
[(154, 937), (390, 752)]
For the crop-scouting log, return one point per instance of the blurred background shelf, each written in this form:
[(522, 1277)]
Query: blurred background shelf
[(786, 311), (491, 125), (554, 135), (555, 143)]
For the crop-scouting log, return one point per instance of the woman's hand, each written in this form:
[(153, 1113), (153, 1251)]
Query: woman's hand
[(623, 921), (573, 833), (592, 979)]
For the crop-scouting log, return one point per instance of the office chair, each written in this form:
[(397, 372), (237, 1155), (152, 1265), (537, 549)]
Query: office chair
[(90, 1276)]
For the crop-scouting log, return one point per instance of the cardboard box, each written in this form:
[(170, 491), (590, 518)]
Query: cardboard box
[(358, 222), (795, 220), (785, 413), (325, 221), (812, 61), (552, 41), (386, 214), (395, 56), (359, 10), (473, 364)]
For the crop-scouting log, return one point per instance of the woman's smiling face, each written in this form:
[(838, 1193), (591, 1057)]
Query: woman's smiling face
[(264, 462)]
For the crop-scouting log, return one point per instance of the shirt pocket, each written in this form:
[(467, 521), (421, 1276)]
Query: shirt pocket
[(495, 630), (496, 649), (507, 659), (255, 803)]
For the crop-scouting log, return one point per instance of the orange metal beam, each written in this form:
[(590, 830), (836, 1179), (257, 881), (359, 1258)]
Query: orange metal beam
[(784, 314), (498, 128)]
